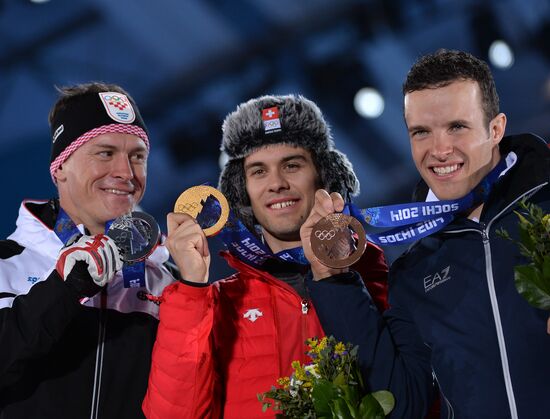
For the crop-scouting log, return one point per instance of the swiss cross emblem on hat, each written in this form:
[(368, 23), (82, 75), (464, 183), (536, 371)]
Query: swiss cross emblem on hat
[(118, 107), (270, 118)]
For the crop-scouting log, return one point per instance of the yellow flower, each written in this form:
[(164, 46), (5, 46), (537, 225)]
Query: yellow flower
[(321, 345), (300, 373), (546, 221), (339, 348), (312, 343), (284, 382)]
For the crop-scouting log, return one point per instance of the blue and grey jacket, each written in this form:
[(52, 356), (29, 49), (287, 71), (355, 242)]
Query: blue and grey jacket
[(456, 317)]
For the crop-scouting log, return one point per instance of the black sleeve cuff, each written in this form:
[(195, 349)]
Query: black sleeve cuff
[(194, 284)]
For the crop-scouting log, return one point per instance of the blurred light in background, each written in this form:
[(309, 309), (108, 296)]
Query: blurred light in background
[(368, 103), (501, 55)]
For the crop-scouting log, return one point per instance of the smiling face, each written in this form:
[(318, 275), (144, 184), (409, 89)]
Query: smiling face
[(452, 145), (281, 181), (103, 179)]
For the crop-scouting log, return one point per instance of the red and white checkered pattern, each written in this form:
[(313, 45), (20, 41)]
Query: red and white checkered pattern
[(105, 129), (119, 105)]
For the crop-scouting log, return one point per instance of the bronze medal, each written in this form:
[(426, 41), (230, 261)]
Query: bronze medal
[(207, 205), (338, 240)]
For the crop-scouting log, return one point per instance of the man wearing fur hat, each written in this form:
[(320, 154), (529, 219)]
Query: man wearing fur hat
[(221, 344), (75, 341)]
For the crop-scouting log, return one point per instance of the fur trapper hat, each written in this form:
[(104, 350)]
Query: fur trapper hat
[(290, 119)]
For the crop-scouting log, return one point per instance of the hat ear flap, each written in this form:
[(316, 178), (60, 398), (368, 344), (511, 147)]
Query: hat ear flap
[(336, 173), (232, 184)]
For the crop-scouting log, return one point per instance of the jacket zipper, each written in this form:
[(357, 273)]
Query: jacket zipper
[(304, 303), (450, 410), (498, 322), (493, 297), (305, 306), (94, 414)]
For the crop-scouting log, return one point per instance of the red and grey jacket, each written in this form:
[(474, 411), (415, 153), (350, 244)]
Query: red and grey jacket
[(219, 346)]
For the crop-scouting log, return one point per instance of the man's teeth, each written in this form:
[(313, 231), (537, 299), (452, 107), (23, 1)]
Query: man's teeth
[(280, 205), (117, 192), (445, 170)]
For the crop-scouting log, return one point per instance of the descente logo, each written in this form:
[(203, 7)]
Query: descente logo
[(253, 314), (432, 281)]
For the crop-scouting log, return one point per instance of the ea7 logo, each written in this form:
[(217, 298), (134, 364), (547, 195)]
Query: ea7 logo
[(253, 314), (432, 281)]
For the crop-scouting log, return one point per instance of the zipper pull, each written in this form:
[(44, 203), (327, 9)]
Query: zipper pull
[(305, 306), (484, 234)]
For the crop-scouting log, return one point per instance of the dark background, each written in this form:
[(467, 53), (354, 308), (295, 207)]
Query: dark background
[(190, 62)]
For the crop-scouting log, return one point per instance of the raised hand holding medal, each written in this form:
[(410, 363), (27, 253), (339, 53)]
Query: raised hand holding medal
[(199, 212), (328, 243), (205, 204)]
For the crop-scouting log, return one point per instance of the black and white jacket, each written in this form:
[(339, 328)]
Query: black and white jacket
[(61, 357)]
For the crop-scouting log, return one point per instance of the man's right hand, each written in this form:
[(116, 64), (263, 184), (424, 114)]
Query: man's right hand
[(188, 247), (89, 263)]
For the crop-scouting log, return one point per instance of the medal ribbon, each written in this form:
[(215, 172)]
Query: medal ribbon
[(411, 221), (248, 248), (417, 220), (66, 230)]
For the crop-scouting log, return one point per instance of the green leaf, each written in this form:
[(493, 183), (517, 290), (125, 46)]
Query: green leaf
[(525, 238), (546, 270), (340, 409), (351, 393), (385, 399), (370, 408), (531, 286), (340, 379), (323, 392)]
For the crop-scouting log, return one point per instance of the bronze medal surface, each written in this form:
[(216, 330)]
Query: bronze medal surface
[(338, 240), (193, 200)]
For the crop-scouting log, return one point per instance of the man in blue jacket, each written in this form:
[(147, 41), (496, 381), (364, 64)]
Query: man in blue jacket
[(454, 289)]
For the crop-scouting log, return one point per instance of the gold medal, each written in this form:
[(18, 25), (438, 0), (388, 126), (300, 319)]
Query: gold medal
[(193, 200)]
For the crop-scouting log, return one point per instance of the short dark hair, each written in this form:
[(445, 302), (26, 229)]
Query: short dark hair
[(68, 93), (446, 66)]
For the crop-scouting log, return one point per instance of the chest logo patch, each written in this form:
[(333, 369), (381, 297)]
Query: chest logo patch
[(253, 314), (432, 281)]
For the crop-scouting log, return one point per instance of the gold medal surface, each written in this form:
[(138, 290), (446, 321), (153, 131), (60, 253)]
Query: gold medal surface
[(338, 240), (192, 201)]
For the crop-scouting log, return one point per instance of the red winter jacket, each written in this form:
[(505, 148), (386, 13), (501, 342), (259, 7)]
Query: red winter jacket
[(219, 346)]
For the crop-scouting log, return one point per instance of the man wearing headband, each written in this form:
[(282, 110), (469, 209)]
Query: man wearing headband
[(455, 290), (221, 344), (75, 341)]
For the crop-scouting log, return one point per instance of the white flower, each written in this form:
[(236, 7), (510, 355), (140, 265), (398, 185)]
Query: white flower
[(294, 386), (312, 369)]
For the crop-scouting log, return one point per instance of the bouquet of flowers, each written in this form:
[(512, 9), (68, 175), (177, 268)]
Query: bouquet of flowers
[(329, 387), (533, 280)]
